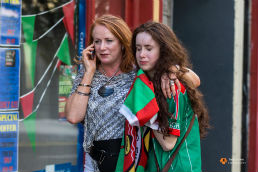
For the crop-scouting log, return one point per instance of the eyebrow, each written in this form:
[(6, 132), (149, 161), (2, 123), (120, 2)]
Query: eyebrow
[(147, 45), (106, 38)]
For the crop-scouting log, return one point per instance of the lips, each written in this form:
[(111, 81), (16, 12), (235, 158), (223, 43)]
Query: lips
[(143, 62), (104, 55)]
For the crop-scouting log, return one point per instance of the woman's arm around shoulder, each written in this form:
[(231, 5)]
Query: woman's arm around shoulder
[(168, 88), (193, 77)]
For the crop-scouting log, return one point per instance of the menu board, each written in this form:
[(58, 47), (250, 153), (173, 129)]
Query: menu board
[(10, 22), (8, 141), (9, 74)]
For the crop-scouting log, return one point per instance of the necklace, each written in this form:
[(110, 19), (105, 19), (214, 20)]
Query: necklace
[(105, 90)]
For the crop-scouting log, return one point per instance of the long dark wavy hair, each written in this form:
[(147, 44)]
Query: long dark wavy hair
[(172, 52)]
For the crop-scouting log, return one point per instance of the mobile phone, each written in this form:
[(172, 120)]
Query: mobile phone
[(93, 54)]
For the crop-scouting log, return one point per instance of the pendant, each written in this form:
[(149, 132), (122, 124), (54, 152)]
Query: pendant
[(105, 91)]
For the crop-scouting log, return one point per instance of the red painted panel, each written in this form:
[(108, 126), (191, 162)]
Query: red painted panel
[(114, 7), (138, 12), (117, 8), (146, 9), (135, 12), (253, 121), (101, 7), (90, 14), (131, 13)]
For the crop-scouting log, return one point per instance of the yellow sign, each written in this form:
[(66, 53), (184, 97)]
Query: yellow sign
[(16, 2), (8, 117)]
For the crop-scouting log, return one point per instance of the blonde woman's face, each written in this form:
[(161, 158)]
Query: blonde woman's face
[(147, 52), (107, 46)]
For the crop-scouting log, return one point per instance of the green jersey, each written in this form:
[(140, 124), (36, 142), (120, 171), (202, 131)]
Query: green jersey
[(188, 158)]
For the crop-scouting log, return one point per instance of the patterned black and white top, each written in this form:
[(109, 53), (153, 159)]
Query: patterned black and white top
[(103, 120)]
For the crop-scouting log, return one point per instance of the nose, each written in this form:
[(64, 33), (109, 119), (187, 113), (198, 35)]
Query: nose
[(142, 53), (102, 45)]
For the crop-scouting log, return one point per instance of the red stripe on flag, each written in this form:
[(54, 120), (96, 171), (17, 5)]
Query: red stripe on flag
[(143, 157), (131, 87), (59, 63), (177, 104), (27, 104), (182, 88), (145, 114), (146, 81), (177, 98), (69, 19)]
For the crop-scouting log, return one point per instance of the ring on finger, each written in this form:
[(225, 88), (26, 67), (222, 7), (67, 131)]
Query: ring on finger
[(172, 82)]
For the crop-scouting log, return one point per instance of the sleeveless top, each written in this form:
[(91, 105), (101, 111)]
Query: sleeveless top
[(103, 121)]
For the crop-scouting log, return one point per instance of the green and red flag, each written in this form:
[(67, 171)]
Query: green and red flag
[(140, 108)]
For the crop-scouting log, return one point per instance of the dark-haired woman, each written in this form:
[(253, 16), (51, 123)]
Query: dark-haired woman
[(156, 48)]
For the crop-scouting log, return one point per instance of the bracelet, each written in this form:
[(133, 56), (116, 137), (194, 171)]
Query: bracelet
[(85, 85), (81, 93)]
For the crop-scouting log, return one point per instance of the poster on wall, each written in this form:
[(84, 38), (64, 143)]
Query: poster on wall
[(10, 22), (66, 77), (9, 74), (9, 141)]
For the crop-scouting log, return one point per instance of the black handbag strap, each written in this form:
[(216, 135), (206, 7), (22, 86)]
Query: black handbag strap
[(168, 164)]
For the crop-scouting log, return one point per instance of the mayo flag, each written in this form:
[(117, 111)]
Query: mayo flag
[(140, 108)]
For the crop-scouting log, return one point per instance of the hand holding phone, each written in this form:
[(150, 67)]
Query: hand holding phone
[(92, 54)]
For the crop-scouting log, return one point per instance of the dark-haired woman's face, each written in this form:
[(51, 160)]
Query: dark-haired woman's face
[(147, 52)]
